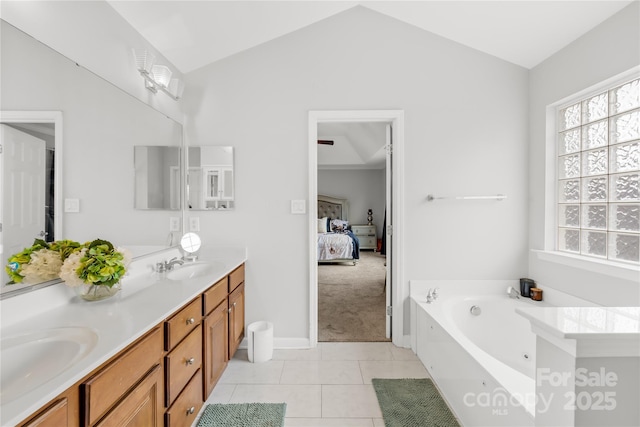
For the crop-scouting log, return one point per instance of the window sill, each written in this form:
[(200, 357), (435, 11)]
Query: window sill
[(614, 269)]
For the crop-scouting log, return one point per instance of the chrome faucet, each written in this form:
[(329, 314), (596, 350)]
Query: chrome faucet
[(513, 293), (432, 295), (168, 265)]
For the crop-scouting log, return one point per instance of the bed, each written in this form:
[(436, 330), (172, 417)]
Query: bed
[(336, 242)]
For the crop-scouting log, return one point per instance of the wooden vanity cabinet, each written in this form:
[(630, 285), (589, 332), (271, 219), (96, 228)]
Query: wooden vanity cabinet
[(167, 374), (215, 334), (183, 362), (236, 319), (236, 309), (61, 412), (128, 390), (142, 406)]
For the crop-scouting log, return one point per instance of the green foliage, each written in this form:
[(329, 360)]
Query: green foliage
[(16, 262), (65, 247), (102, 264)]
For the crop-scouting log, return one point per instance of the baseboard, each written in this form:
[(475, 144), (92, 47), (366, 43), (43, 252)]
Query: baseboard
[(280, 343)]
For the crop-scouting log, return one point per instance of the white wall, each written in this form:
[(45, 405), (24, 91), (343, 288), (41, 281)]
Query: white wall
[(465, 133), (611, 48), (94, 35), (363, 188)]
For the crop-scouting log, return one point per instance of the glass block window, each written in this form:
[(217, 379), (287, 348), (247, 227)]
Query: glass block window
[(598, 146)]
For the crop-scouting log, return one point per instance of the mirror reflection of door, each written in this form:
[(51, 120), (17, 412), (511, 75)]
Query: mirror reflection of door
[(23, 184)]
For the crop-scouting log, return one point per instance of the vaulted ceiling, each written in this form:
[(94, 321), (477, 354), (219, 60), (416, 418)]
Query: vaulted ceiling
[(192, 34)]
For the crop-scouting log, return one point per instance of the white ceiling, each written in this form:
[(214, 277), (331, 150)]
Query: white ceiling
[(192, 34), (357, 145)]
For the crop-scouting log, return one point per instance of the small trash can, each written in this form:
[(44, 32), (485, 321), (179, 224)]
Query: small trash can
[(260, 341)]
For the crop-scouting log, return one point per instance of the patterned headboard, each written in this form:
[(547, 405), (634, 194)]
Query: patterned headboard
[(333, 208)]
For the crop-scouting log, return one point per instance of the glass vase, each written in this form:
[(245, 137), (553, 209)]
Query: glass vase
[(97, 292)]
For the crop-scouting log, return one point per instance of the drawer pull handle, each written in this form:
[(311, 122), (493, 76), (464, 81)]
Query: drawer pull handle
[(190, 361), (230, 309), (234, 304), (191, 321), (191, 410)]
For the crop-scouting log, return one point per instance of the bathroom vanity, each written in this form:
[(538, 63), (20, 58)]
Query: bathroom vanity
[(160, 347)]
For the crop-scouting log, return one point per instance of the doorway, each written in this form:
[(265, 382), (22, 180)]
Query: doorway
[(45, 126), (393, 122), (352, 296)]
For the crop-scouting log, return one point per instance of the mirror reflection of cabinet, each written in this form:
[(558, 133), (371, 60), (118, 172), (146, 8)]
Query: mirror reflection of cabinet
[(210, 178)]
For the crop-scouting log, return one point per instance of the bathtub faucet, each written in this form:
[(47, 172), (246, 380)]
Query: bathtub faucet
[(512, 293), (432, 295)]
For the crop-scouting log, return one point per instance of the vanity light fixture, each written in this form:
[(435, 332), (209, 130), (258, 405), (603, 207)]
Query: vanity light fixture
[(157, 77)]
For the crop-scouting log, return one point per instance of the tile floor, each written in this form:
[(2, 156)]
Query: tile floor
[(326, 386)]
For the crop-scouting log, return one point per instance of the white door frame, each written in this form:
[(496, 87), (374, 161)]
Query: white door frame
[(396, 118), (54, 117)]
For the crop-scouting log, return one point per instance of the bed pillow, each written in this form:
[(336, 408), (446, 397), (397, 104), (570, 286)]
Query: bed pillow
[(339, 226), (322, 225)]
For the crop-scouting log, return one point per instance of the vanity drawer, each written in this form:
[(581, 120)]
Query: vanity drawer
[(184, 410), (102, 390), (182, 363), (236, 278), (213, 296), (183, 322)]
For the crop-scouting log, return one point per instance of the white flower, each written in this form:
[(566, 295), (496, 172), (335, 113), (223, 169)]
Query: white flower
[(69, 268), (44, 266)]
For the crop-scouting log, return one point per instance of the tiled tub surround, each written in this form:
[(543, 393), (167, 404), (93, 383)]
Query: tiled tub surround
[(146, 300), (462, 352)]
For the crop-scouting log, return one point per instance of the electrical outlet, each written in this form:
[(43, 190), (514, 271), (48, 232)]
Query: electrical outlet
[(174, 223), (194, 223)]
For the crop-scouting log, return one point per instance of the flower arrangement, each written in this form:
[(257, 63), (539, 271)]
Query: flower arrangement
[(93, 264), (40, 262)]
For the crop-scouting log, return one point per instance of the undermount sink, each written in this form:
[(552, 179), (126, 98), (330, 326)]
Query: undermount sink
[(31, 359), (195, 269)]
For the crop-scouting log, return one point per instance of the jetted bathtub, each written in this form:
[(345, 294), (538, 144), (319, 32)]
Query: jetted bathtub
[(477, 349)]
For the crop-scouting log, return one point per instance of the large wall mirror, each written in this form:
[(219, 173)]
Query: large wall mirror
[(210, 177), (157, 184), (99, 126)]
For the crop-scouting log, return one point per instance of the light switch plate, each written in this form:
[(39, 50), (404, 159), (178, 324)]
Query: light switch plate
[(174, 223), (72, 205), (298, 207), (194, 223)]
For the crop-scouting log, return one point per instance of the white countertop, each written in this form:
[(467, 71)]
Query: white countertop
[(588, 331), (146, 300)]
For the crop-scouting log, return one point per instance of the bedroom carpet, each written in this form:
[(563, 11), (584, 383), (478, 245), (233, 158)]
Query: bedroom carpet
[(351, 300)]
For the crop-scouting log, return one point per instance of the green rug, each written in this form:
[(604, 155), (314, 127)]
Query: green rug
[(412, 403), (243, 415)]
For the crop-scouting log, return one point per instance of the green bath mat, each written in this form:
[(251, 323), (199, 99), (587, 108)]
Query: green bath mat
[(243, 415), (412, 403)]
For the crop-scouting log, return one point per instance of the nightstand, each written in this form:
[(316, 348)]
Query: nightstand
[(367, 236)]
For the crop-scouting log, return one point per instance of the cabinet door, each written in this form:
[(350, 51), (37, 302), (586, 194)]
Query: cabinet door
[(216, 353), (55, 416), (236, 319), (108, 386), (141, 407)]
